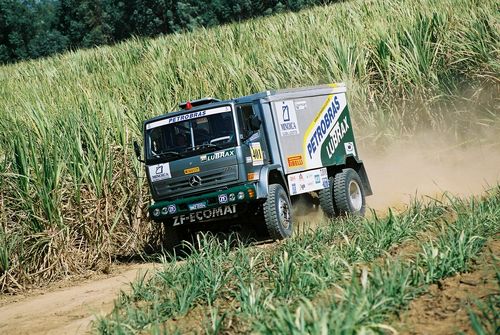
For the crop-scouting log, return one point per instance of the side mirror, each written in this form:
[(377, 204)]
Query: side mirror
[(137, 150), (255, 122)]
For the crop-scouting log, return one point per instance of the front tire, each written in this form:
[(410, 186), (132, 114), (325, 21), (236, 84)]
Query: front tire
[(278, 213), (344, 196), (174, 239)]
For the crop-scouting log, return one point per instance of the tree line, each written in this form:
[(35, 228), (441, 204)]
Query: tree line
[(37, 28)]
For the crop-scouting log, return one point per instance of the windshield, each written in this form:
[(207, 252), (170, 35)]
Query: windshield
[(188, 134)]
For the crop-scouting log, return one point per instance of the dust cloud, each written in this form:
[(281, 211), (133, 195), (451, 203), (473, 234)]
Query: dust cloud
[(431, 164), (419, 167), (462, 158), (306, 215)]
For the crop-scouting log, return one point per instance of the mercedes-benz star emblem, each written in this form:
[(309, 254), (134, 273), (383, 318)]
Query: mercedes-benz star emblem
[(195, 181)]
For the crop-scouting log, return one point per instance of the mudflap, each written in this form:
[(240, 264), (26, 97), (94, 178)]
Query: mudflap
[(364, 179)]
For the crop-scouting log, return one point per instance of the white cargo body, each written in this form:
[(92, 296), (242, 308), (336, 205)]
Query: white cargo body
[(313, 130)]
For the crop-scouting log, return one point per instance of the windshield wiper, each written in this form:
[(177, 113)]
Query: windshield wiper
[(211, 145), (204, 146), (166, 153)]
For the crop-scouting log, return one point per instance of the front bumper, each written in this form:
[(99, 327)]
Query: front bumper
[(204, 206)]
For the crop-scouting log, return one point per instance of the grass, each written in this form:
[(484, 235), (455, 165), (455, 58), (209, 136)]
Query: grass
[(320, 282), (299, 267), (73, 197), (485, 320), (484, 316)]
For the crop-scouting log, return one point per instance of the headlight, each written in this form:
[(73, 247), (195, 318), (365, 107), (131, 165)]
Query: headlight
[(156, 212), (241, 195)]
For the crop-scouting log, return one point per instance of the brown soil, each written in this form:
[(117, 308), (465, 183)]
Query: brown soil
[(443, 309), (67, 310)]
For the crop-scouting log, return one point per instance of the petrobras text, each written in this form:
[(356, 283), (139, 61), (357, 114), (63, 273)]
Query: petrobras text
[(322, 125), (187, 116)]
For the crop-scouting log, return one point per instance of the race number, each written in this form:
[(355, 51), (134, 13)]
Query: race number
[(257, 154)]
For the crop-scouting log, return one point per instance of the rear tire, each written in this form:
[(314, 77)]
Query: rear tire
[(278, 213), (326, 201), (344, 196)]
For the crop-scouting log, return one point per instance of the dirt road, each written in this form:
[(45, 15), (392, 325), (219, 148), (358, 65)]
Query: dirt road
[(68, 310)]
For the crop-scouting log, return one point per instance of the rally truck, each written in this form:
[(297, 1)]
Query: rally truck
[(247, 158)]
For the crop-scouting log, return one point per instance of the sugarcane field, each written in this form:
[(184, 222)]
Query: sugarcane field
[(249, 167)]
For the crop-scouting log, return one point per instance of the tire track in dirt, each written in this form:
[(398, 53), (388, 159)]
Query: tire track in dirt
[(69, 310)]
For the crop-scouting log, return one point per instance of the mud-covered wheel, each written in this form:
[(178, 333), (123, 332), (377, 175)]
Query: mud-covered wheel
[(326, 201), (278, 213), (344, 196)]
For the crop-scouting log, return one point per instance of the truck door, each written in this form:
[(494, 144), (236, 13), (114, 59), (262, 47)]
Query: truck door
[(253, 141)]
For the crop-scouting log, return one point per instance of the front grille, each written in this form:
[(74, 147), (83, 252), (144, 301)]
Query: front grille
[(209, 179)]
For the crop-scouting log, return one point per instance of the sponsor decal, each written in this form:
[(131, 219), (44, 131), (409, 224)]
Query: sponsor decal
[(326, 183), (192, 170), (172, 209), (349, 148), (325, 128), (232, 197), (287, 118), (187, 116), (222, 198), (336, 136), (159, 172), (217, 155), (295, 161), (322, 125), (198, 205), (301, 106), (317, 179), (257, 154), (308, 181), (205, 214)]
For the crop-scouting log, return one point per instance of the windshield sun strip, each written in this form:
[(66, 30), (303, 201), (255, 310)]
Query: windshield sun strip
[(187, 117), (192, 149)]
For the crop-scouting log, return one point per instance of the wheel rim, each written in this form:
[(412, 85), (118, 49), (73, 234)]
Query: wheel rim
[(355, 196), (284, 212)]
